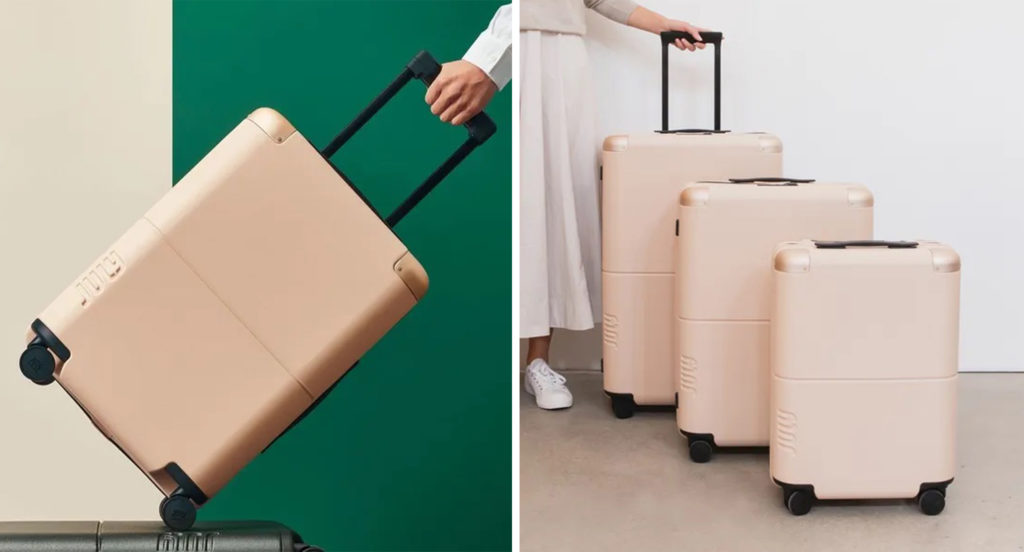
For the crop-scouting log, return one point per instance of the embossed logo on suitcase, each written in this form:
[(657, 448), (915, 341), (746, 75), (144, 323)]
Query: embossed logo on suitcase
[(93, 282)]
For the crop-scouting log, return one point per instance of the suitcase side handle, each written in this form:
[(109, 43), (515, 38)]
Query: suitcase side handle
[(772, 181), (424, 68), (865, 243), (708, 37), (692, 131)]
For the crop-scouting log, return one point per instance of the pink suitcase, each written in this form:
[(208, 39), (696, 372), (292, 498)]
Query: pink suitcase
[(234, 304), (643, 175), (864, 371), (727, 235)]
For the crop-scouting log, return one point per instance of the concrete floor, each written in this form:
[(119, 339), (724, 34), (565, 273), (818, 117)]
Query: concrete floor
[(590, 482)]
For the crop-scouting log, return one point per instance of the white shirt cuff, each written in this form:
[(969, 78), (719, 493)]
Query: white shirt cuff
[(493, 56)]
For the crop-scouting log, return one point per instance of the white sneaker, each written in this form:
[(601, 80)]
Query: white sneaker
[(547, 386)]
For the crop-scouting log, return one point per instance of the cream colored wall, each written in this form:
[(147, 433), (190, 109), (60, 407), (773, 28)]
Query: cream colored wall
[(85, 147)]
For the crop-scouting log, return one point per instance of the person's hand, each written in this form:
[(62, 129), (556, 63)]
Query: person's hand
[(460, 91), (683, 44)]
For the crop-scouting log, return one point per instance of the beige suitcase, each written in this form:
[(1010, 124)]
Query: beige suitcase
[(642, 177), (727, 234), (864, 371), (234, 304)]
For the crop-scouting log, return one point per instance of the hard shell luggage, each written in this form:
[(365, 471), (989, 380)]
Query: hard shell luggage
[(234, 304), (727, 233), (864, 371), (143, 536), (642, 177)]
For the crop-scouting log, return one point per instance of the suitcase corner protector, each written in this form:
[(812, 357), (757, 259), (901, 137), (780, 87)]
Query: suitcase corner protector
[(860, 196), (694, 195), (272, 123), (792, 259), (412, 273), (616, 142)]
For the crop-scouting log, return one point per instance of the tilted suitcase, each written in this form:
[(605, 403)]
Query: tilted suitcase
[(864, 371), (642, 177), (727, 233), (143, 536), (234, 304)]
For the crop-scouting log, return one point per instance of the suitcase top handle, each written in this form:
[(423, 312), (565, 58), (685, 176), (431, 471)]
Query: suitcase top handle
[(707, 37), (772, 181), (425, 68), (865, 243)]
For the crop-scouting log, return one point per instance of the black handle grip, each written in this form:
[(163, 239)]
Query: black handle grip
[(425, 68), (865, 243), (772, 180), (709, 37)]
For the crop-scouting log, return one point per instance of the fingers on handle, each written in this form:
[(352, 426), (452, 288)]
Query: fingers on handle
[(454, 109), (443, 102), (433, 91), (461, 118), (469, 112)]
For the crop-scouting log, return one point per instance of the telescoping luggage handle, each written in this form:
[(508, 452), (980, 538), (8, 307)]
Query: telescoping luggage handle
[(425, 68), (865, 243), (708, 37)]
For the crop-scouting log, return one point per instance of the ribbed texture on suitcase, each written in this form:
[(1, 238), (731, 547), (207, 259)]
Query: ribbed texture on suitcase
[(785, 430), (687, 373), (610, 330)]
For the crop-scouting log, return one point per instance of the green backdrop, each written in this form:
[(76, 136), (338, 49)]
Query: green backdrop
[(413, 450)]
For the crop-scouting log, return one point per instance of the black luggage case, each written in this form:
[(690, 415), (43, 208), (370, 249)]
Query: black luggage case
[(148, 536)]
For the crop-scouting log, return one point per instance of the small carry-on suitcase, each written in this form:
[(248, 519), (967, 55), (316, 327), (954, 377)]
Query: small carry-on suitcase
[(144, 536), (642, 177), (727, 233), (864, 371), (234, 304)]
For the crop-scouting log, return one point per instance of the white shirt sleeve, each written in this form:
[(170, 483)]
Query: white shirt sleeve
[(492, 50)]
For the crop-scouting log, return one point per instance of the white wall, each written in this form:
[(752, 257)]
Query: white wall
[(923, 101), (85, 139)]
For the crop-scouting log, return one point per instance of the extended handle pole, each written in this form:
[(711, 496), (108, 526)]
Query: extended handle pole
[(425, 68), (708, 37), (365, 115)]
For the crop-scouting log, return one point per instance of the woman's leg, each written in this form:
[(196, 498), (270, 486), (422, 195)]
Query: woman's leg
[(538, 347)]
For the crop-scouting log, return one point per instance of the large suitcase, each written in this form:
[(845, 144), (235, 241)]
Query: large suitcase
[(234, 304), (727, 233), (864, 371), (142, 536), (642, 177)]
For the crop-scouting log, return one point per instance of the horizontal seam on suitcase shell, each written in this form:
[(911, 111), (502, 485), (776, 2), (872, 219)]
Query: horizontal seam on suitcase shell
[(280, 364), (726, 320), (639, 273), (847, 380)]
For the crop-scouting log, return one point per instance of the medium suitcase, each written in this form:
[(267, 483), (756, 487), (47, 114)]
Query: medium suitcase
[(143, 536), (642, 177), (234, 304), (727, 233), (864, 371)]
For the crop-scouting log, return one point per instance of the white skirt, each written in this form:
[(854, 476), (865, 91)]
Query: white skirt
[(559, 228)]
